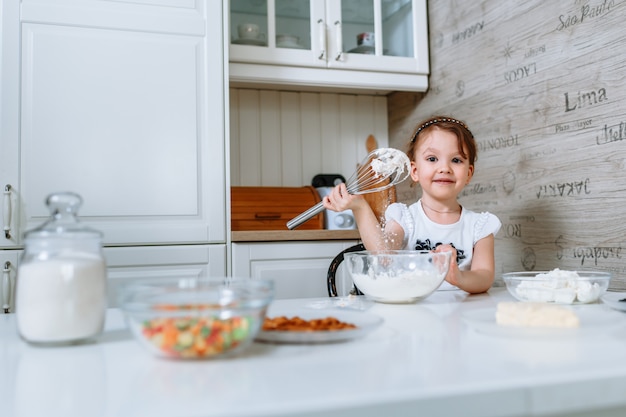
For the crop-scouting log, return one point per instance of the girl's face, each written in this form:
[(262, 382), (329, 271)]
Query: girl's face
[(439, 167)]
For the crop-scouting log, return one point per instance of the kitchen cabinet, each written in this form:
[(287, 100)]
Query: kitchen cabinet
[(131, 263), (124, 104), (120, 103), (298, 269), (154, 262), (313, 44)]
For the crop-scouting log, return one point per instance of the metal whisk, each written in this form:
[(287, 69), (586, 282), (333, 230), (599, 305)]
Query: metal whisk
[(381, 169)]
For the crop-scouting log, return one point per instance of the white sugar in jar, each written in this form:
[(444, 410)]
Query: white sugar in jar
[(62, 299), (61, 279)]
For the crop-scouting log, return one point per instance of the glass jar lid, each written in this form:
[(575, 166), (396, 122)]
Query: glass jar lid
[(64, 221)]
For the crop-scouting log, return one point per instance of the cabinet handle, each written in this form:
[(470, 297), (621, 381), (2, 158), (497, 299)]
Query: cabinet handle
[(267, 216), (6, 287), (339, 39), (322, 32), (6, 211)]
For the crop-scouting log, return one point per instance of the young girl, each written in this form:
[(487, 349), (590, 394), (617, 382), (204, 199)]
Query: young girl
[(442, 153)]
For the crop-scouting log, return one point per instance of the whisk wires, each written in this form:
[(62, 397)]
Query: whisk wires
[(366, 180)]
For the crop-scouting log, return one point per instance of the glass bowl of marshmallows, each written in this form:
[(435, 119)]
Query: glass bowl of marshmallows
[(397, 276), (557, 286)]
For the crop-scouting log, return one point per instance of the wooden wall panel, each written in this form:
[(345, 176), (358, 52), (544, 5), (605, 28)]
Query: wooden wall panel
[(285, 138), (312, 155), (542, 87), (233, 132), (330, 119), (270, 138), (291, 140), (348, 143)]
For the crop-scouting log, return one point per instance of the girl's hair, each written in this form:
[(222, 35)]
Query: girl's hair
[(449, 124)]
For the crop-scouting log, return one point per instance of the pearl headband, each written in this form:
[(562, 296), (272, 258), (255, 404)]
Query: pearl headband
[(435, 121)]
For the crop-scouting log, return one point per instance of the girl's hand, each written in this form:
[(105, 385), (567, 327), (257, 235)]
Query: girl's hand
[(370, 230), (453, 272), (480, 277), (340, 199)]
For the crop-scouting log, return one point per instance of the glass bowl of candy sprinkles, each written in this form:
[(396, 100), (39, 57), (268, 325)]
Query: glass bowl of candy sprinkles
[(196, 318)]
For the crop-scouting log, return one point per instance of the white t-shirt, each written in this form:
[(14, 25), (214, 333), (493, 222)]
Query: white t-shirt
[(421, 233)]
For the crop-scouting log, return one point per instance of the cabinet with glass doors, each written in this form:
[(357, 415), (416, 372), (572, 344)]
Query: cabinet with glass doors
[(348, 44)]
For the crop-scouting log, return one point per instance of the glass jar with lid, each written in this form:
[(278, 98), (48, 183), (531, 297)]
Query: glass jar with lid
[(61, 278)]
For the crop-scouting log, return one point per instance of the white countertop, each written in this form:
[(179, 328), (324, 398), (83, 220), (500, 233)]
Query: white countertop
[(424, 360)]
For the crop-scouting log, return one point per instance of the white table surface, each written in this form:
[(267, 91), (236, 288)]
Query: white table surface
[(424, 360)]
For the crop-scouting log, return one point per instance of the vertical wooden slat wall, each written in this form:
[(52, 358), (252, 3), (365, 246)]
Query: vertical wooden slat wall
[(270, 140), (285, 138), (330, 115)]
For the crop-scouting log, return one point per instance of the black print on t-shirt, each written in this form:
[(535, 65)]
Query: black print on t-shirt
[(427, 245)]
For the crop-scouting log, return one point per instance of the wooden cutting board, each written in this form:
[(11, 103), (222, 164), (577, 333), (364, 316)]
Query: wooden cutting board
[(378, 201)]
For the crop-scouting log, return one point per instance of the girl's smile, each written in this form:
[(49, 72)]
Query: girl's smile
[(444, 180)]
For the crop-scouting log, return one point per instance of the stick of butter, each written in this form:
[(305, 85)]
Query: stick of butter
[(535, 315)]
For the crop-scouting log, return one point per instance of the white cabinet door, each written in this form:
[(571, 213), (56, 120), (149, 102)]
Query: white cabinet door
[(315, 44), (298, 269), (123, 103), (185, 261), (9, 119)]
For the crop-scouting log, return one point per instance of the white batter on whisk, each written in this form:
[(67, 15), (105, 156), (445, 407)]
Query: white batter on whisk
[(389, 162)]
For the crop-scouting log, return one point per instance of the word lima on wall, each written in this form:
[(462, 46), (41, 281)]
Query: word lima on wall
[(584, 99)]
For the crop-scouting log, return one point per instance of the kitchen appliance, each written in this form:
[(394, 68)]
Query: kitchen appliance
[(381, 169), (324, 184)]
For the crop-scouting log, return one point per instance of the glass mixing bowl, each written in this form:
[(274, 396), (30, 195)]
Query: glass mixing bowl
[(557, 286), (398, 276), (196, 318)]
